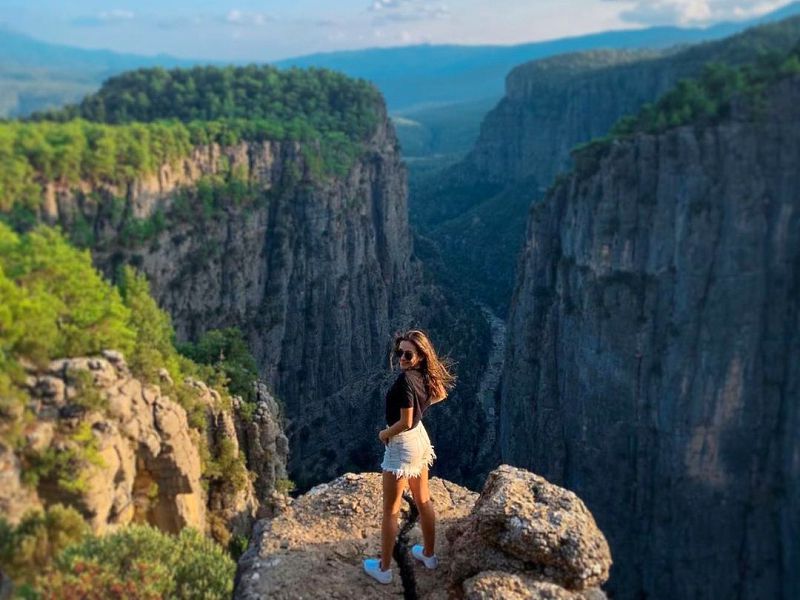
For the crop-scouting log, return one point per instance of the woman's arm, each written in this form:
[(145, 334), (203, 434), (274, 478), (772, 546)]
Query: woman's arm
[(404, 424)]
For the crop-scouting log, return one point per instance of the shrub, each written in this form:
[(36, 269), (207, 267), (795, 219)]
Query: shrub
[(28, 548), (227, 350), (188, 565), (284, 486)]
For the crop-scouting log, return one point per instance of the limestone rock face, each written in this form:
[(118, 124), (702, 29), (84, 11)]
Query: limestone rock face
[(148, 468), (497, 585), (523, 525), (653, 364), (264, 443), (477, 210), (15, 496), (318, 542), (139, 458)]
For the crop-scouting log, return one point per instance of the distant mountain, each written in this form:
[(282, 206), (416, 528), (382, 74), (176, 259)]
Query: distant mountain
[(36, 75), (477, 209), (18, 50), (439, 94), (417, 81), (413, 77)]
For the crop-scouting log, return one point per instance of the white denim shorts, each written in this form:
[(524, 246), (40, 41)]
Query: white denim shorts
[(408, 452)]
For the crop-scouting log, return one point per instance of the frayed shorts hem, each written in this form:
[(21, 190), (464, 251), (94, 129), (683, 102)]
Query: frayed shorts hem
[(408, 453), (412, 471)]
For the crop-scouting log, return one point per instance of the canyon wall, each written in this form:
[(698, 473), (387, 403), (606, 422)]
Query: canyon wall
[(653, 352)]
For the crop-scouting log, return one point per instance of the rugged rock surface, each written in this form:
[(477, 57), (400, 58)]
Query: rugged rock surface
[(653, 360), (525, 517), (498, 585), (554, 104), (263, 442), (477, 209), (315, 546), (144, 465)]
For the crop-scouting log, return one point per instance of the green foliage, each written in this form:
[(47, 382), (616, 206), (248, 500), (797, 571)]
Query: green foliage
[(65, 466), (273, 100), (35, 153), (54, 302), (247, 410), (87, 395), (136, 231), (154, 348), (237, 546), (29, 547), (284, 486), (227, 350), (163, 566), (142, 119), (81, 233), (91, 581), (227, 468)]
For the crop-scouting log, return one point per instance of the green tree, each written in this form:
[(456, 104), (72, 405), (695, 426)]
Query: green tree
[(227, 350)]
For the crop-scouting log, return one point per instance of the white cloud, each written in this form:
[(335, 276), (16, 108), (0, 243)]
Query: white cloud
[(107, 17), (378, 5), (693, 12), (238, 17), (401, 11), (116, 15)]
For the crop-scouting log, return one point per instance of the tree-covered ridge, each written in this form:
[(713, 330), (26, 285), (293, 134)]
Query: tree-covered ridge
[(325, 100), (705, 100), (56, 305), (35, 153), (143, 119), (709, 97)]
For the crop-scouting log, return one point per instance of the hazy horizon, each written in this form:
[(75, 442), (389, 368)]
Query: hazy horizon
[(269, 31)]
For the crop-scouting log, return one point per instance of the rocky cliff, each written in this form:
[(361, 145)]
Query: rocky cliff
[(315, 268), (652, 364), (521, 537), (552, 105), (101, 440), (476, 210)]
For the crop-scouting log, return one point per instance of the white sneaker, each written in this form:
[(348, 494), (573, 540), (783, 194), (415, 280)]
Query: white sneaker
[(372, 566), (430, 562)]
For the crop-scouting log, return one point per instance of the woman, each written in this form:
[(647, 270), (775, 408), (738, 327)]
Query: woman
[(424, 380)]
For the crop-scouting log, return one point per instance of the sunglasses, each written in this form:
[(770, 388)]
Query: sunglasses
[(408, 354)]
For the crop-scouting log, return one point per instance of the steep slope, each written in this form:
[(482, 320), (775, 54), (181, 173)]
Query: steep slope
[(652, 364), (145, 459), (550, 106)]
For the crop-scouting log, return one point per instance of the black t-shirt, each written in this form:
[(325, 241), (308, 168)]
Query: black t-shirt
[(407, 391)]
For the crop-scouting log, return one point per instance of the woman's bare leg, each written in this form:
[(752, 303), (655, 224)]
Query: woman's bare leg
[(427, 516), (392, 496)]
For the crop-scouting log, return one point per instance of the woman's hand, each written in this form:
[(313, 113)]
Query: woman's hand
[(384, 436)]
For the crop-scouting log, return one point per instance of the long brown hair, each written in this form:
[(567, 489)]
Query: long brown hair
[(435, 371)]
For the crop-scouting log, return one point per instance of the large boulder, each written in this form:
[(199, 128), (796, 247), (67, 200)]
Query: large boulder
[(520, 538), (526, 520), (139, 458)]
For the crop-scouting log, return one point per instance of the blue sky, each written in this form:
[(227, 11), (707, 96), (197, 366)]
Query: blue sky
[(272, 29)]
